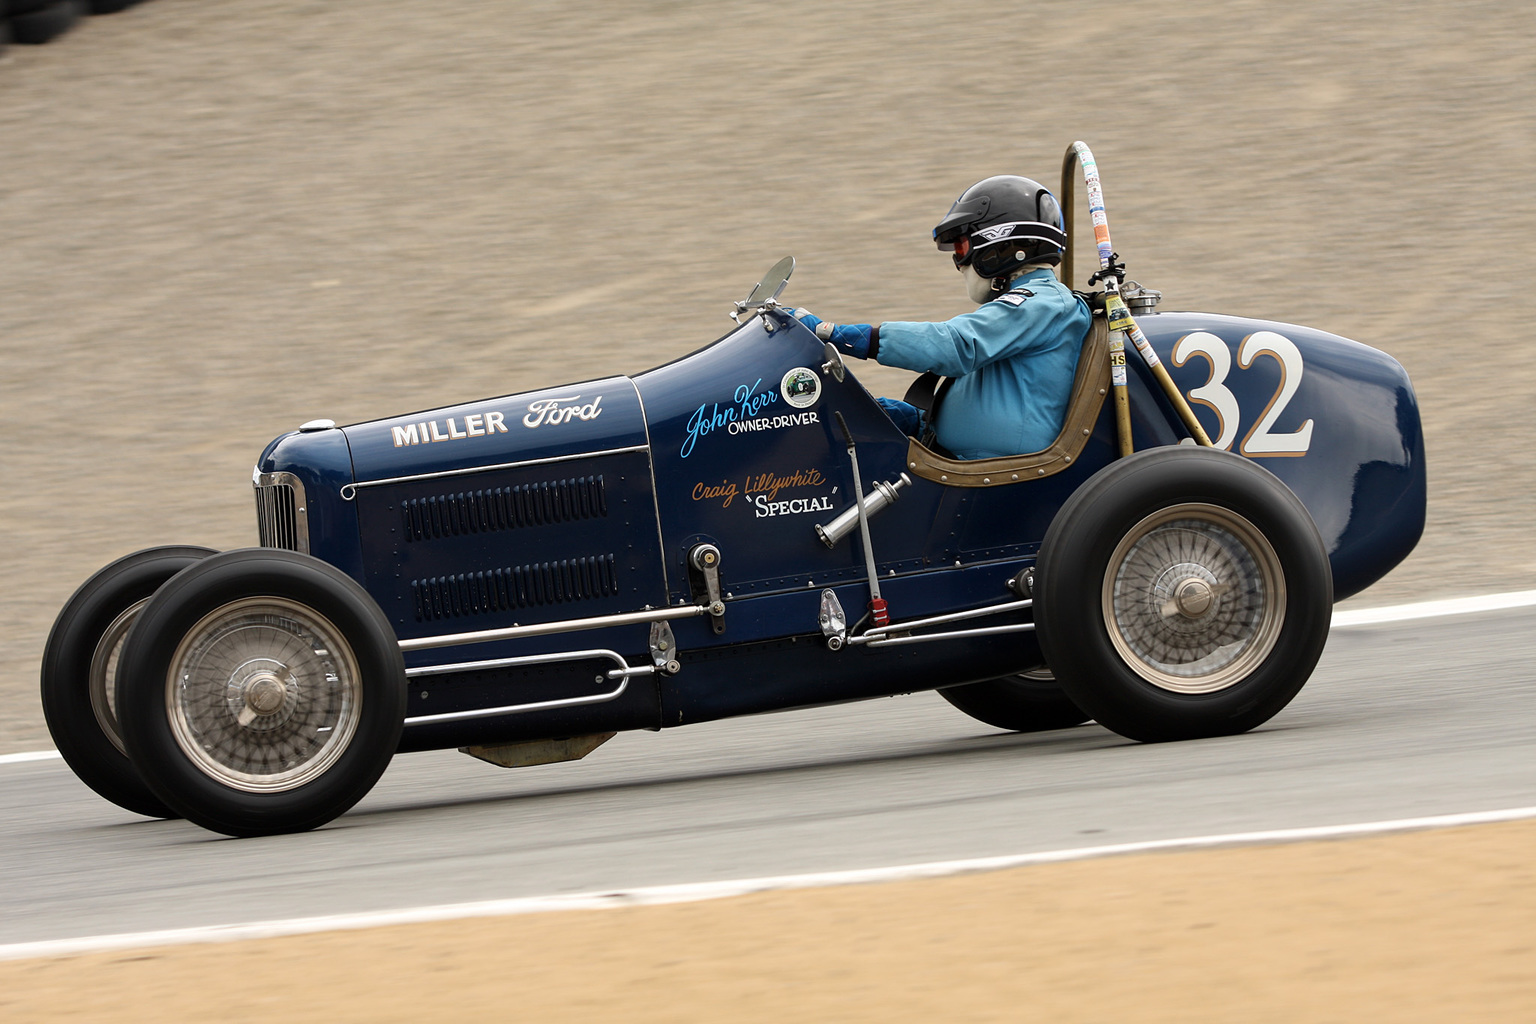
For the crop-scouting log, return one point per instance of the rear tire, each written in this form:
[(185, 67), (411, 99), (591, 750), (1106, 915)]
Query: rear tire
[(1023, 702), (79, 672), (1182, 592), (262, 692)]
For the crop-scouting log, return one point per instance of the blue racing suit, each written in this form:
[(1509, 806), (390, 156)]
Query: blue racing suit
[(1011, 361)]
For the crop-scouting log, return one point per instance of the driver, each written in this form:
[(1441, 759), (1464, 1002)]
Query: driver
[(1010, 361)]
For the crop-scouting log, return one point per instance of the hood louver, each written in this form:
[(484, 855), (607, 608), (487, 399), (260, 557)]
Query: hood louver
[(522, 586), (504, 508)]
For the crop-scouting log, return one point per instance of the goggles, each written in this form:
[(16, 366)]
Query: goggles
[(961, 251)]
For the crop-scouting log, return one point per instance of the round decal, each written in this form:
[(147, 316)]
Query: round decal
[(800, 387)]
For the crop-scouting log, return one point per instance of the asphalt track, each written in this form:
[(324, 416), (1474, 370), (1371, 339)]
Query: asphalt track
[(1402, 719)]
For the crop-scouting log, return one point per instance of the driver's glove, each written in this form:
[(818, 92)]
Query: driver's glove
[(858, 340), (907, 417)]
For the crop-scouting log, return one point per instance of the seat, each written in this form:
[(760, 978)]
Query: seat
[(1090, 386)]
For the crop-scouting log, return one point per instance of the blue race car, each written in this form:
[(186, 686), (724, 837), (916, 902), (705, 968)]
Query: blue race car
[(522, 577)]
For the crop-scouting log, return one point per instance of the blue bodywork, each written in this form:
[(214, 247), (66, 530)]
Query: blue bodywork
[(584, 501)]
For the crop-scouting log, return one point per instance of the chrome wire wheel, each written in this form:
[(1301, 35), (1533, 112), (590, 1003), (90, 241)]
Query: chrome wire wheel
[(264, 694), (103, 673), (1194, 598)]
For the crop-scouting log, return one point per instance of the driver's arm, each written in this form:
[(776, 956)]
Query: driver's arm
[(996, 330)]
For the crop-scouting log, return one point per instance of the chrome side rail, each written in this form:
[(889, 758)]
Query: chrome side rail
[(897, 641), (623, 673), (880, 636), (426, 643)]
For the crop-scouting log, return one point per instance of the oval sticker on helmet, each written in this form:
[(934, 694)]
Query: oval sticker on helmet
[(800, 387)]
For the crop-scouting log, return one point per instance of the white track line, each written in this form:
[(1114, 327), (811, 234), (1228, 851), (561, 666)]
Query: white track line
[(1434, 609), (1341, 620), (694, 892), (31, 755)]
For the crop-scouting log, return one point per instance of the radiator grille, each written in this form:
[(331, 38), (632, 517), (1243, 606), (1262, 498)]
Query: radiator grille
[(504, 508), (282, 520), (520, 586)]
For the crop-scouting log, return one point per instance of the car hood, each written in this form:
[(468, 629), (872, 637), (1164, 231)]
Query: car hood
[(551, 424)]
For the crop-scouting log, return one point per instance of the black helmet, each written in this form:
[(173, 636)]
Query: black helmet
[(1003, 222)]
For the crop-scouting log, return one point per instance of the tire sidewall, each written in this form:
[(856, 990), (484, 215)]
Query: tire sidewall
[(66, 671), (1075, 558), (144, 714)]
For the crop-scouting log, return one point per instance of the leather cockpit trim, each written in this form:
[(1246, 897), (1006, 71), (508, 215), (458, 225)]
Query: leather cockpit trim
[(1090, 386)]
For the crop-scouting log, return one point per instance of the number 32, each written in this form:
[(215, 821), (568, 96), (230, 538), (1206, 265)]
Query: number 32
[(1214, 395)]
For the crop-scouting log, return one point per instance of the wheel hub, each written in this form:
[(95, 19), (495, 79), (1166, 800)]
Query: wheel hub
[(1193, 597), (264, 694), (1184, 594)]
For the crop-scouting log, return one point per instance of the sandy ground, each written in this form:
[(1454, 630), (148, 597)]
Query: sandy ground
[(220, 218), (1432, 927)]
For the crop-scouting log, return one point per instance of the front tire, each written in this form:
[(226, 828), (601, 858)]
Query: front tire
[(1182, 592), (79, 668), (262, 692)]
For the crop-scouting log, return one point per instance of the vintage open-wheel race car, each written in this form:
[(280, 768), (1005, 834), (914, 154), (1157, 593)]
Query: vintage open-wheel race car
[(524, 576)]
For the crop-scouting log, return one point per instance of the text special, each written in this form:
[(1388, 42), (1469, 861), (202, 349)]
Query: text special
[(790, 506)]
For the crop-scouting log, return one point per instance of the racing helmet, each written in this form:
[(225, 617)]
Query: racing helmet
[(1001, 223)]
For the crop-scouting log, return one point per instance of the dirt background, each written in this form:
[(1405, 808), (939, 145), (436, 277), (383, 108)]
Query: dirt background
[(1431, 927), (221, 218)]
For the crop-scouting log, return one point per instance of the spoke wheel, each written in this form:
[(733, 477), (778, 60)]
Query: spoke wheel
[(262, 691), (79, 672), (265, 694), (102, 682), (1194, 598), (1182, 592)]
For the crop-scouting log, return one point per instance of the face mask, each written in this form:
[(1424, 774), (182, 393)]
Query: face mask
[(977, 287)]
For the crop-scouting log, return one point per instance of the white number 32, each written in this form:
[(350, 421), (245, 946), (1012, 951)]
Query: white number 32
[(1213, 394)]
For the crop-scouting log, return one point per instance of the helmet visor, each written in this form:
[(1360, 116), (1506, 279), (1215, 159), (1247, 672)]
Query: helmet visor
[(960, 221)]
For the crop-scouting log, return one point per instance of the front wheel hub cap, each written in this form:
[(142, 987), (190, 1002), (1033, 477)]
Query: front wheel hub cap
[(1193, 597), (265, 695)]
